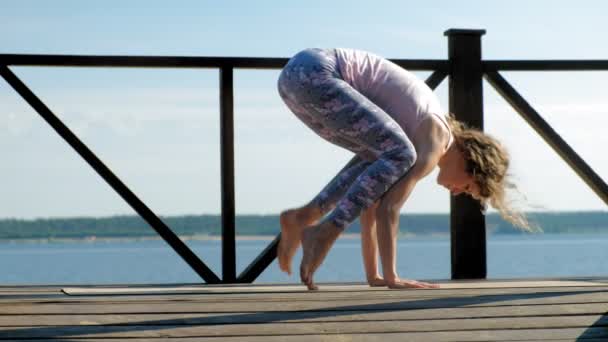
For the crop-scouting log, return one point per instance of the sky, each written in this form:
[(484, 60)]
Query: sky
[(158, 129)]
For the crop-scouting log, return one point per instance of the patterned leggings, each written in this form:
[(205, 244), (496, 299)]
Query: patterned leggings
[(313, 89)]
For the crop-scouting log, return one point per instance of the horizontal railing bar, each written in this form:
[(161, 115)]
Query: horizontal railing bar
[(423, 64), (277, 63), (181, 62), (141, 61), (545, 65)]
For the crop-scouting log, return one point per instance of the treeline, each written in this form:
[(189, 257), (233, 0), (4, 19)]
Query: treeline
[(136, 227)]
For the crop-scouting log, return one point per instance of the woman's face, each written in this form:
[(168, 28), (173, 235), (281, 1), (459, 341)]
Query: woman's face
[(453, 175)]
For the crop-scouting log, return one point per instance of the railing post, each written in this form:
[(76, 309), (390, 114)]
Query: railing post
[(227, 174), (467, 223)]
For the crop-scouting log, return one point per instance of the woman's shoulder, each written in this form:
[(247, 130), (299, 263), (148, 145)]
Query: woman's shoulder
[(356, 54), (434, 131)]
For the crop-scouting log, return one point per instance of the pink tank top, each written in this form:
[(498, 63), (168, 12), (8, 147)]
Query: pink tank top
[(402, 95)]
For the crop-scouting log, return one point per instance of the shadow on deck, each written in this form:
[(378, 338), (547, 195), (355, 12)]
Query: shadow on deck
[(557, 310)]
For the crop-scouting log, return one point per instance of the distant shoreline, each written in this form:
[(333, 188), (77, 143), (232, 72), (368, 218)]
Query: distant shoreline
[(264, 227), (151, 238), (92, 239), (348, 236)]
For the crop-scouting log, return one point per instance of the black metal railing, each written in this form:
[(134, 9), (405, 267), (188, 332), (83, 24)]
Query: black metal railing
[(465, 69), (534, 119)]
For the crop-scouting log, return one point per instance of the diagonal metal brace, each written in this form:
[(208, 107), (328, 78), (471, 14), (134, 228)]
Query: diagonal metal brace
[(161, 228), (523, 108)]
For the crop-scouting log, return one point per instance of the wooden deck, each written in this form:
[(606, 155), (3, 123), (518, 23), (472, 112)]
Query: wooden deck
[(547, 310)]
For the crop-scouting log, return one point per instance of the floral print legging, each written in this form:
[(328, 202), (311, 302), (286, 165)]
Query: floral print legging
[(313, 89)]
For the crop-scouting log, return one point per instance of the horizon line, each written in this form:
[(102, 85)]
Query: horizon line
[(277, 214)]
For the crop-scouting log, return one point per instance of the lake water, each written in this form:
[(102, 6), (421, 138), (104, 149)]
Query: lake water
[(153, 261)]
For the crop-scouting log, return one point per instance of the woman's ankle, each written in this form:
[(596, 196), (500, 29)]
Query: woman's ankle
[(373, 277), (376, 281), (308, 214), (391, 278)]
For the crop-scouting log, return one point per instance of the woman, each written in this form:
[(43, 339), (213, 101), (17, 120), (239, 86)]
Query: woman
[(392, 121)]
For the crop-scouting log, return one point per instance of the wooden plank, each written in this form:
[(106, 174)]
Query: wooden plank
[(24, 290), (344, 312), (345, 305), (329, 296), (326, 287), (336, 296), (289, 317), (307, 295), (300, 288), (25, 294), (559, 335), (167, 329)]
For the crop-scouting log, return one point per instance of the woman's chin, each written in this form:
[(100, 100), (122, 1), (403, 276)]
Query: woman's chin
[(438, 180)]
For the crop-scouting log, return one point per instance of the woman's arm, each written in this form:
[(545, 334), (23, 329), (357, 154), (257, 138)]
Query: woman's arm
[(430, 142), (387, 221)]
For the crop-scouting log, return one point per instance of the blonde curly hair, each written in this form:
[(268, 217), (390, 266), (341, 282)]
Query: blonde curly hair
[(487, 161)]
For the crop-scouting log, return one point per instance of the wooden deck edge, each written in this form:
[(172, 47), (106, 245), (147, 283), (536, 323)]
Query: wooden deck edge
[(207, 289)]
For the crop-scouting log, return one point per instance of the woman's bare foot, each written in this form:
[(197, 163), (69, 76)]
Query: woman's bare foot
[(406, 284), (292, 225), (376, 281), (316, 243)]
